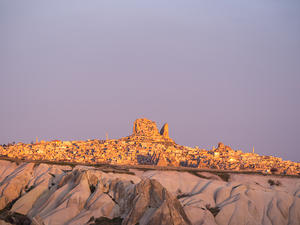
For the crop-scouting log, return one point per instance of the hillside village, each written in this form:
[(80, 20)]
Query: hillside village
[(147, 146)]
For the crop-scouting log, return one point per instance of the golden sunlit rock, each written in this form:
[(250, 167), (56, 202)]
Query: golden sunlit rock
[(147, 146), (165, 130)]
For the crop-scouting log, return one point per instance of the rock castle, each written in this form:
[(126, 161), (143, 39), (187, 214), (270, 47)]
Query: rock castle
[(147, 146)]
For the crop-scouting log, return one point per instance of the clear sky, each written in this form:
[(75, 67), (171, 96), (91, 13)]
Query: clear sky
[(214, 70)]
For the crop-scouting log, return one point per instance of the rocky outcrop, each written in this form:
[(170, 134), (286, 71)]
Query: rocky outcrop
[(145, 127), (153, 204), (145, 130), (222, 147), (165, 131)]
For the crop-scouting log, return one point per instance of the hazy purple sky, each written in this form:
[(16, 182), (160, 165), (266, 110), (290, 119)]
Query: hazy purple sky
[(214, 70)]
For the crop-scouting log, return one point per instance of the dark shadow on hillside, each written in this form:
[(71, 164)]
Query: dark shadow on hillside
[(147, 159)]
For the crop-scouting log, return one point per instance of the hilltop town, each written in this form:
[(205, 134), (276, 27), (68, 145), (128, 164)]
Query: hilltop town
[(147, 146)]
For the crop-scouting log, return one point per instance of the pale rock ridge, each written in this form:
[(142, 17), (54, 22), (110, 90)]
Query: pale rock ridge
[(55, 194), (13, 184), (64, 200)]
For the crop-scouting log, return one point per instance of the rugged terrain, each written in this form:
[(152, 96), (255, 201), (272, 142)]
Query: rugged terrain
[(147, 146), (61, 194)]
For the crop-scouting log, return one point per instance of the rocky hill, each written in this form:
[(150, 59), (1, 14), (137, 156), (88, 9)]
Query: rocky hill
[(55, 194), (148, 146)]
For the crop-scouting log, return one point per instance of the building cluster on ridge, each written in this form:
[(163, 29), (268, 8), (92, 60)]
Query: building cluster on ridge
[(148, 146)]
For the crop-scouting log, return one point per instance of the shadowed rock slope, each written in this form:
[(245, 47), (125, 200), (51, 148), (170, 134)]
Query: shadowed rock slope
[(54, 194)]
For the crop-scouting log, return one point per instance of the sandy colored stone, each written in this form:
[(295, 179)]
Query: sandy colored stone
[(165, 131), (145, 127)]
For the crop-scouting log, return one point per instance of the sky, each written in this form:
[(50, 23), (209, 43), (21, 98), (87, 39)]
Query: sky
[(216, 71)]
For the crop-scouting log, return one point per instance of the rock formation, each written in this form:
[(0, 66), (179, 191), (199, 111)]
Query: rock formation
[(153, 204), (221, 146), (145, 127), (55, 194), (165, 131)]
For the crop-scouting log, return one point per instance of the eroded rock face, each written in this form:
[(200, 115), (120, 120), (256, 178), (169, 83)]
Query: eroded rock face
[(153, 204), (145, 130), (54, 195), (145, 127), (165, 130), (64, 200), (12, 186)]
